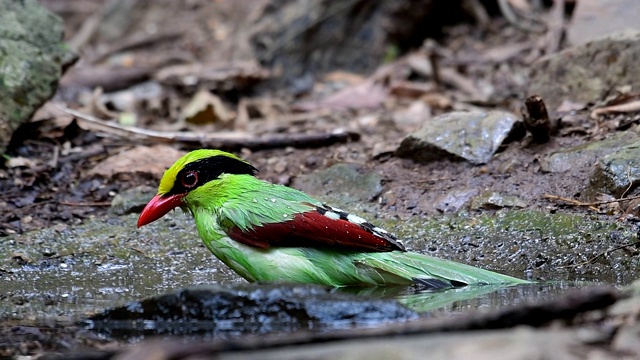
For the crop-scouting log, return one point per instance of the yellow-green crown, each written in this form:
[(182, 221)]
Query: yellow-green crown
[(169, 177)]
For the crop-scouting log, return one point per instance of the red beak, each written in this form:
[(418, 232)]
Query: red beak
[(158, 207)]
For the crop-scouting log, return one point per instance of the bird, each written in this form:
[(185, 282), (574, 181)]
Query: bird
[(269, 233)]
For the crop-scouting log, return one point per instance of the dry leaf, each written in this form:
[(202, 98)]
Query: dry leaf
[(205, 108), (20, 161), (152, 160), (363, 96)]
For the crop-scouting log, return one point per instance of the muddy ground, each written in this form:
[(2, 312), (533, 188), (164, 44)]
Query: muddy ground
[(52, 184)]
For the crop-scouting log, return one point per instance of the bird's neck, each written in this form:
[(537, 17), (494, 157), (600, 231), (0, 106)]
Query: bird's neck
[(230, 252)]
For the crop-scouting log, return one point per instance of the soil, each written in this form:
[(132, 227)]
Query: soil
[(53, 188)]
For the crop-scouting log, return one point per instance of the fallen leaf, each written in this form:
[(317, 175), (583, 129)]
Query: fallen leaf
[(344, 77), (363, 96), (204, 108), (20, 161), (152, 160)]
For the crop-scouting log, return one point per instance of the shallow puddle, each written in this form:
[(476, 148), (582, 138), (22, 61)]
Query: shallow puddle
[(57, 279)]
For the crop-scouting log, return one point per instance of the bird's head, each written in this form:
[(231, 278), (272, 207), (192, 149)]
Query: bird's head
[(183, 179)]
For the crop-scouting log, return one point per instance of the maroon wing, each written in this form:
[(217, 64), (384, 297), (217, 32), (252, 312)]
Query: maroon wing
[(322, 227)]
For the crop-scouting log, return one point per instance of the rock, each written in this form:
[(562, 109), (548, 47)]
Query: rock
[(246, 309), (586, 155), (519, 343), (474, 136), (493, 200), (282, 35), (626, 340), (341, 185), (594, 19), (132, 200), (589, 72), (626, 311), (454, 200), (618, 172), (32, 58)]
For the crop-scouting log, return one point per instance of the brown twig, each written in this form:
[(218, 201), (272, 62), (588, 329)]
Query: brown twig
[(301, 141), (132, 44), (526, 23), (138, 250), (230, 141), (87, 153), (630, 182), (555, 27), (108, 78), (89, 27), (479, 13), (431, 48), (99, 203), (632, 106), (574, 202)]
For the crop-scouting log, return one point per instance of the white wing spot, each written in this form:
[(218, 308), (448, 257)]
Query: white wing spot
[(355, 219), (380, 230), (332, 215)]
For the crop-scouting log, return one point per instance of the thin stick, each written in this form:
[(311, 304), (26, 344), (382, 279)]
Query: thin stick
[(70, 203), (529, 25), (630, 182), (555, 27), (589, 204), (632, 106), (87, 153), (231, 140), (131, 44)]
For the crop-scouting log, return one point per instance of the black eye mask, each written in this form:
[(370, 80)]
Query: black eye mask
[(202, 171)]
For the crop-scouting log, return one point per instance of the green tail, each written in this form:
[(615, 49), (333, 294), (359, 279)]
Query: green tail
[(424, 269)]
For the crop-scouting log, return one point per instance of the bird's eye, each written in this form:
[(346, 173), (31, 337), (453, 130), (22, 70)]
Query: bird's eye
[(190, 179)]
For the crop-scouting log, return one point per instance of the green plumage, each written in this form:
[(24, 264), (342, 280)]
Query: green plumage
[(242, 201)]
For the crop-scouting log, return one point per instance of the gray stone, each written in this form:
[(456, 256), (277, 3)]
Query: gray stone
[(341, 185), (629, 306), (618, 172), (594, 19), (586, 155), (132, 200), (305, 37), (454, 200), (493, 200), (32, 56), (247, 308), (627, 340), (520, 343), (589, 72), (474, 136)]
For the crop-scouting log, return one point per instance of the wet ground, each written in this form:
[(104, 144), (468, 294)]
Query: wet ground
[(54, 279)]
